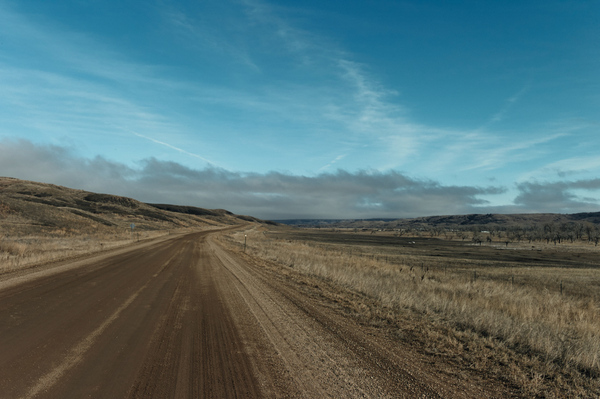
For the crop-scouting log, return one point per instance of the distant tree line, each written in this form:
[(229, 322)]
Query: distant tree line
[(555, 233)]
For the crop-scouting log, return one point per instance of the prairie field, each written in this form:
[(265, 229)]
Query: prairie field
[(531, 311)]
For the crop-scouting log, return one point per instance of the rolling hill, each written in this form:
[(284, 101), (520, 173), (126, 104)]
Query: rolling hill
[(28, 207)]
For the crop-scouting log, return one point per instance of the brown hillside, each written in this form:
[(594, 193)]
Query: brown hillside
[(28, 207)]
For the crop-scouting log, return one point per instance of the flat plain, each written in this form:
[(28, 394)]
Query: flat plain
[(526, 313)]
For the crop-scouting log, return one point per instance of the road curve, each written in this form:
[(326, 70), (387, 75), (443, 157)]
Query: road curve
[(186, 318)]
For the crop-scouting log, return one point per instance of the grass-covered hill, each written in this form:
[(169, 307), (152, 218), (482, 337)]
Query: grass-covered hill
[(28, 207)]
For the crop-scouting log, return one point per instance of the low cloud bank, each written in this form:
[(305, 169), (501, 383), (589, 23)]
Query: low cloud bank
[(274, 195), (559, 197)]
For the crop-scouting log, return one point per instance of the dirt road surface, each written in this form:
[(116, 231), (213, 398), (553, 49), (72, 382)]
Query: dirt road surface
[(185, 318)]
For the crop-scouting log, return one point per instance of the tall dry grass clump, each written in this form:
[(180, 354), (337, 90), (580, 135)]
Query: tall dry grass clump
[(12, 248), (559, 329)]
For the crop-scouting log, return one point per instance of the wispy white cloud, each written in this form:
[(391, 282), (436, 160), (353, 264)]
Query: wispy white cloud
[(196, 33), (581, 166), (52, 103), (67, 51), (82, 91), (364, 114), (292, 39), (509, 104), (354, 101), (575, 166), (484, 156), (333, 162), (352, 109), (191, 154)]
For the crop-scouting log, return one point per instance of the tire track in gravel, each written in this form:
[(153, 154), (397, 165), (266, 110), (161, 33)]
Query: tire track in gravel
[(320, 360)]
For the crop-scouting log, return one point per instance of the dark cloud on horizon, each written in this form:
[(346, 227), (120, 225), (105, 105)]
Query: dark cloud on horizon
[(274, 195)]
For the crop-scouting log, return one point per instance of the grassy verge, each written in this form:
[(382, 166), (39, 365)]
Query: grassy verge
[(26, 251), (541, 325)]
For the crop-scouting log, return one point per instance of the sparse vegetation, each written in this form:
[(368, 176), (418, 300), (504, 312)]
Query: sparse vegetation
[(21, 252), (44, 222), (549, 314)]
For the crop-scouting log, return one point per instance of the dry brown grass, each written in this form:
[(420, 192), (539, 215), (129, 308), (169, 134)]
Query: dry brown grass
[(517, 307), (43, 222), (22, 252)]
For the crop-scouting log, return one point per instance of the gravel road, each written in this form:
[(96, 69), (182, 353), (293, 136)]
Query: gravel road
[(184, 317)]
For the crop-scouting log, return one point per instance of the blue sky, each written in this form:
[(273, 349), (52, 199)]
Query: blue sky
[(307, 109)]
